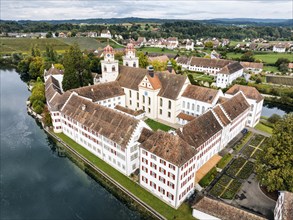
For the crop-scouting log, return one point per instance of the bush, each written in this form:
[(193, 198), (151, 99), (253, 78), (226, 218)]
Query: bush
[(274, 118)]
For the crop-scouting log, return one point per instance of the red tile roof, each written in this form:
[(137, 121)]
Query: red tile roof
[(248, 91)]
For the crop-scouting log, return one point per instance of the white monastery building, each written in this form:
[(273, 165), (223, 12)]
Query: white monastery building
[(107, 120), (225, 71)]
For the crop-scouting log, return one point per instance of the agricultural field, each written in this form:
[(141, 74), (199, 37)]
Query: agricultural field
[(23, 45), (269, 58), (280, 80), (157, 50), (10, 45)]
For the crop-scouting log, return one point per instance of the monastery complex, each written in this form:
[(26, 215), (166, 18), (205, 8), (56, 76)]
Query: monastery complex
[(108, 119)]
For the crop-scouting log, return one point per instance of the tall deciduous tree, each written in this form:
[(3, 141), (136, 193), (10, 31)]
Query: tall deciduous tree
[(77, 71), (275, 164), (143, 60)]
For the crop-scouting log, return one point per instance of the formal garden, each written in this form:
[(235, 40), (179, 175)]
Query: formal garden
[(238, 171)]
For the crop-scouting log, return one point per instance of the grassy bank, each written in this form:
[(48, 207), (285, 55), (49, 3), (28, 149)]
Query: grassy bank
[(183, 212)]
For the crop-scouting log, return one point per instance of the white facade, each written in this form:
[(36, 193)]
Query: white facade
[(109, 66), (255, 111), (168, 182), (279, 49), (189, 46), (130, 58), (203, 216), (106, 34), (223, 80), (195, 107)]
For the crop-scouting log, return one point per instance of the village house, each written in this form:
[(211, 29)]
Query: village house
[(252, 67), (106, 34), (279, 48), (106, 119)]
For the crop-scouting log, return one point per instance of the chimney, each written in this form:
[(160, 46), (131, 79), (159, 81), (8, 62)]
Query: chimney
[(151, 71), (169, 67)]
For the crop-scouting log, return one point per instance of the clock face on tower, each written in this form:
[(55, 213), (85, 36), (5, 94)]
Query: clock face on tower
[(108, 55)]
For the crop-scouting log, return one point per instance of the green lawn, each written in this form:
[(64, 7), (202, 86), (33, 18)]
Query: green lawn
[(224, 161), (270, 57), (10, 45), (262, 127), (183, 212), (208, 178), (157, 125), (270, 68)]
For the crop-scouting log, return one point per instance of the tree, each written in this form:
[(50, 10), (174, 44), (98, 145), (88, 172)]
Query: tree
[(274, 118), (143, 60), (275, 164), (247, 56), (258, 80), (49, 35), (77, 69), (283, 68), (158, 65), (209, 44), (280, 61), (57, 34), (35, 67)]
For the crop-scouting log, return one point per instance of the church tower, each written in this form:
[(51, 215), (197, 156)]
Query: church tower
[(109, 65), (130, 59)]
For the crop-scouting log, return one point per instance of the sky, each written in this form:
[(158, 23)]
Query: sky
[(176, 9)]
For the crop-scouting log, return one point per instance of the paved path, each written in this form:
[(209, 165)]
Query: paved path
[(251, 197), (259, 132)]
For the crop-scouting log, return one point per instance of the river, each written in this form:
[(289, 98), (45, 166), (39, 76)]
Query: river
[(35, 182)]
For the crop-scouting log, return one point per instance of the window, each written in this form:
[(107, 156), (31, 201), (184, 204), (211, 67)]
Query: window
[(105, 68), (134, 64), (161, 102), (183, 104), (162, 179), (130, 93), (202, 109), (188, 105), (153, 157), (197, 108), (143, 99), (169, 114), (113, 68), (193, 106), (169, 104), (126, 64), (137, 96), (149, 100), (171, 166), (149, 110), (130, 102), (160, 111)]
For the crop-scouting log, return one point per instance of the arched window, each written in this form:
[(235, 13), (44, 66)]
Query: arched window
[(105, 68), (126, 64), (134, 64), (113, 68), (169, 104)]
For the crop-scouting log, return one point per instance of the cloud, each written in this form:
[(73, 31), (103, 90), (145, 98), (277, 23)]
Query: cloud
[(175, 9)]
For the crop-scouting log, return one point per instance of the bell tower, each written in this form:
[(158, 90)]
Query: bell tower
[(130, 59), (109, 65)]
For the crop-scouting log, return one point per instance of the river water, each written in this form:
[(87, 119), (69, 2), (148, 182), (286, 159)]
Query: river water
[(35, 182)]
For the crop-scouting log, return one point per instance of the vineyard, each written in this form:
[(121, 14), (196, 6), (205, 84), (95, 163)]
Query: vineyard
[(282, 80)]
